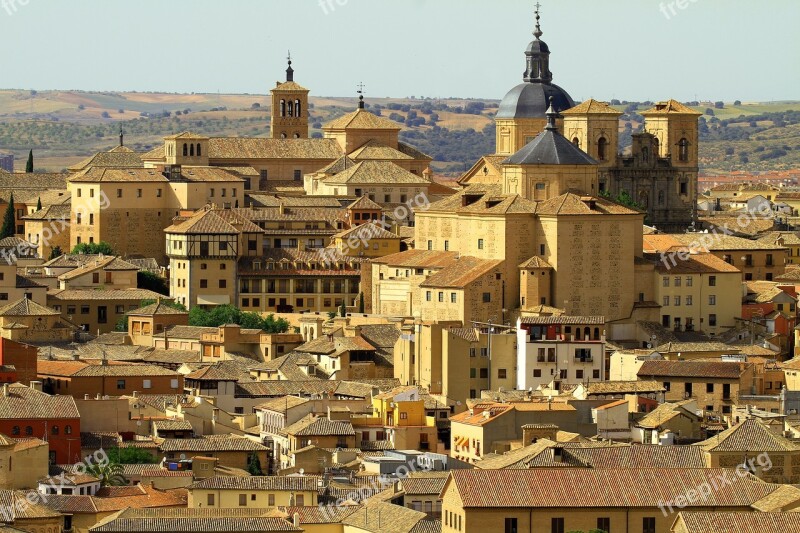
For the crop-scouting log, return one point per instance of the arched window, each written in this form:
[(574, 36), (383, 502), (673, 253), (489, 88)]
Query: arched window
[(68, 430), (297, 108), (291, 109), (15, 430), (199, 151), (28, 430), (283, 135), (296, 135), (683, 149), (54, 430), (185, 149), (660, 197), (576, 142), (645, 154), (656, 148), (597, 334), (587, 333), (602, 148), (283, 108), (191, 150)]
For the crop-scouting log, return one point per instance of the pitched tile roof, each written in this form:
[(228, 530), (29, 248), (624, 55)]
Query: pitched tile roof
[(364, 203), (24, 402), (361, 119), (103, 294), (251, 483), (239, 148), (157, 308), (311, 425), (741, 522), (115, 158), (108, 263), (572, 204), (722, 242), (461, 272), (217, 443), (564, 320), (374, 172), (669, 107), (662, 414), (204, 222), (193, 520), (691, 369), (749, 436), (591, 107), (608, 487), (26, 307)]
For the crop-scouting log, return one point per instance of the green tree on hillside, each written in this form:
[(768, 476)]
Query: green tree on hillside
[(55, 252), (254, 465), (9, 223), (29, 164), (129, 455), (39, 204)]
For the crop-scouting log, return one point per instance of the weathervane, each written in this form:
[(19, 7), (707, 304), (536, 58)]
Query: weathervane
[(360, 92), (538, 32)]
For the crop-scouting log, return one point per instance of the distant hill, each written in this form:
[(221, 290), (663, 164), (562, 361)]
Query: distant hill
[(63, 127)]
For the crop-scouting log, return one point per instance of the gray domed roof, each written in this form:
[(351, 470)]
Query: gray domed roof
[(531, 100), (550, 148)]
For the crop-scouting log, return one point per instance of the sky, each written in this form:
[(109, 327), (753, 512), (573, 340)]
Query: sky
[(625, 49)]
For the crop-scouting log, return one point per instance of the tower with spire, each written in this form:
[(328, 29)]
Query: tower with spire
[(521, 115), (289, 115)]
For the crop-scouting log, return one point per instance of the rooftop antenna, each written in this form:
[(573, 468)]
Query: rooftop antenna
[(538, 32), (360, 95)]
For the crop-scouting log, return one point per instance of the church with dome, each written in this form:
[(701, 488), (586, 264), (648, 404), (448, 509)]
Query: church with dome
[(659, 172), (535, 229)]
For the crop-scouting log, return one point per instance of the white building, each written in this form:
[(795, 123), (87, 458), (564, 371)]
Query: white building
[(553, 351)]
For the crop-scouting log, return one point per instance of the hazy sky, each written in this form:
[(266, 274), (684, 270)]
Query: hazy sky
[(627, 49)]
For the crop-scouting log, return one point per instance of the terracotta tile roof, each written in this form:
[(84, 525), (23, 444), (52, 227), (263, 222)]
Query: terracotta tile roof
[(204, 222), (591, 107), (108, 263), (691, 369), (669, 107), (215, 372), (311, 425), (80, 369), (573, 204), (51, 212), (624, 387), (288, 86), (461, 272), (749, 436), (192, 521), (722, 242), (468, 334), (374, 172), (361, 119), (26, 307), (741, 522), (157, 308), (608, 487), (242, 148), (364, 203), (367, 232), (252, 483), (373, 149), (535, 262), (280, 405), (24, 402), (695, 263), (172, 425), (705, 346), (641, 456), (217, 443), (274, 200), (115, 158), (662, 414), (384, 517), (41, 182), (103, 294), (418, 259)]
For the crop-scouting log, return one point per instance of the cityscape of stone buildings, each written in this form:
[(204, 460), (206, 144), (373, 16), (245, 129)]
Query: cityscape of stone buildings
[(520, 350)]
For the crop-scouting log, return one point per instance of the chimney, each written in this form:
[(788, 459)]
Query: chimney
[(329, 412), (296, 519), (5, 390), (86, 397), (36, 385), (135, 394)]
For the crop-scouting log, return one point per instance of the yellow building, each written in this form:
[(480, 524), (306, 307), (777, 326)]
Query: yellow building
[(27, 321), (229, 492), (26, 462), (715, 385), (785, 239), (698, 293), (107, 272), (758, 260), (48, 228), (126, 207), (367, 240), (400, 417)]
